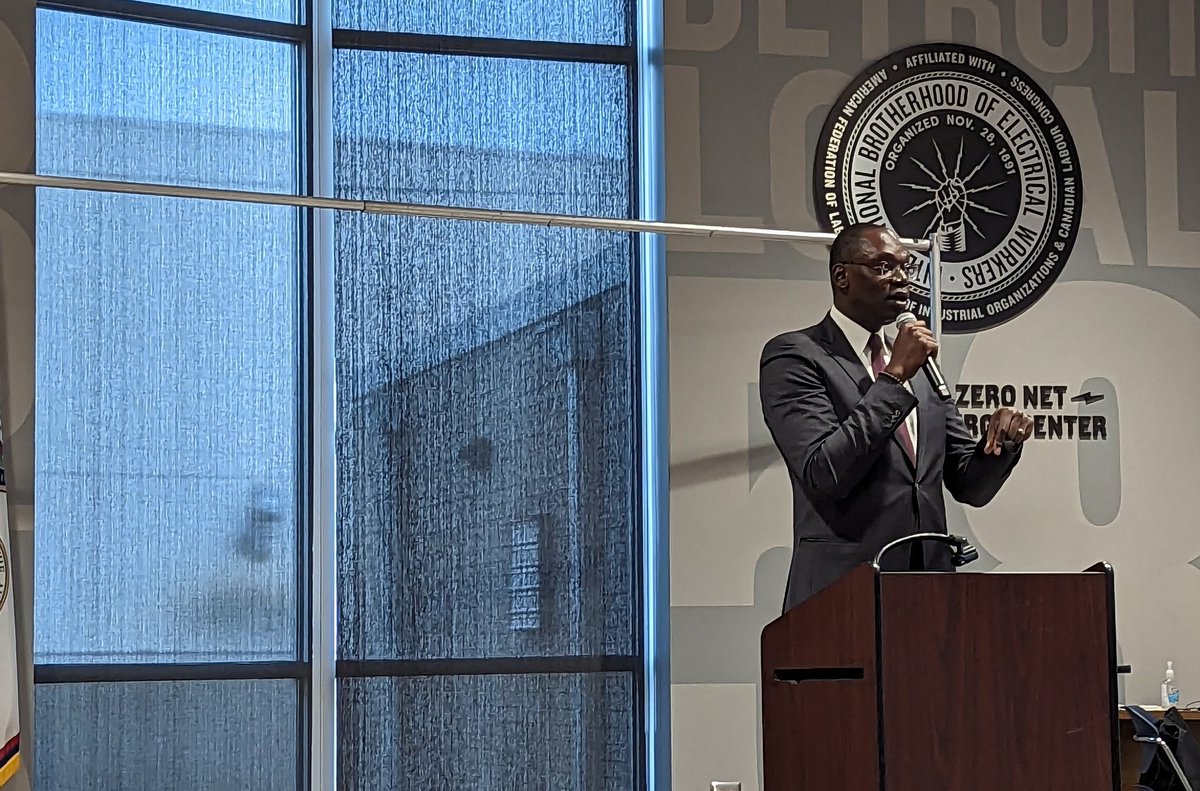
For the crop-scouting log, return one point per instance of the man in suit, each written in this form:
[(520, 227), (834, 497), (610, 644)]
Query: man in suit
[(867, 442)]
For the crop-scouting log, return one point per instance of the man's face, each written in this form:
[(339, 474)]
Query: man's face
[(874, 281)]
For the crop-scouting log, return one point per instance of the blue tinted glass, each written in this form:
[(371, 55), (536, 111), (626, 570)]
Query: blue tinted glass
[(274, 10), (575, 21), (560, 732), (160, 104), (194, 735), (485, 440), (485, 400), (483, 132), (167, 351)]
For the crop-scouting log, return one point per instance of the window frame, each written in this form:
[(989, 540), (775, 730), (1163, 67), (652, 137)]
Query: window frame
[(301, 36), (316, 669)]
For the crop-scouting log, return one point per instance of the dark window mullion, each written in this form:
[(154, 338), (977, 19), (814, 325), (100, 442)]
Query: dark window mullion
[(505, 666), (304, 721), (637, 533), (306, 528), (168, 671), (484, 47)]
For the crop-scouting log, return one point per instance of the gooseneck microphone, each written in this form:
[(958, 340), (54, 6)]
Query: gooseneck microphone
[(932, 371), (961, 550)]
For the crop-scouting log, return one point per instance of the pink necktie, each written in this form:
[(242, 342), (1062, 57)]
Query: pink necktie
[(875, 346)]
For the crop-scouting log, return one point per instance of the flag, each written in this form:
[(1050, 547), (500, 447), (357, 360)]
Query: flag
[(10, 720)]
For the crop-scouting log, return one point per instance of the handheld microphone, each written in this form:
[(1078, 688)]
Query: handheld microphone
[(932, 371)]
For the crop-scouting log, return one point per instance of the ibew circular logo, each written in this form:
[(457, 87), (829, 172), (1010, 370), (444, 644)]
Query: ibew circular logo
[(951, 141), (5, 574)]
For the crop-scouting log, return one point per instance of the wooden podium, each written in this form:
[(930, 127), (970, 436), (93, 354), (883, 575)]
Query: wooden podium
[(944, 682)]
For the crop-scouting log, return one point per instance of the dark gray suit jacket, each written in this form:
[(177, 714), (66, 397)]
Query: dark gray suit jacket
[(854, 488)]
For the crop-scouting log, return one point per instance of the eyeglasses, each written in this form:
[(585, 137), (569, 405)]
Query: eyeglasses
[(888, 268)]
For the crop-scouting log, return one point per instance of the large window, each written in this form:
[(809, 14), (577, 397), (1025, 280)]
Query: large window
[(169, 420), (488, 595), (485, 530)]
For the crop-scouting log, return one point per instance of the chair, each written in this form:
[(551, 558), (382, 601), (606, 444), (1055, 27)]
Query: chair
[(1145, 732)]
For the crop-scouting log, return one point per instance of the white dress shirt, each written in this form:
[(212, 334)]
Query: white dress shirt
[(858, 337)]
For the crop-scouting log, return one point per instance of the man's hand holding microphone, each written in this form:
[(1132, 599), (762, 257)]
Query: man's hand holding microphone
[(915, 349)]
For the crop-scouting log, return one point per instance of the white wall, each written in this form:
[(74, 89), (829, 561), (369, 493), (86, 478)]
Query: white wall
[(745, 100)]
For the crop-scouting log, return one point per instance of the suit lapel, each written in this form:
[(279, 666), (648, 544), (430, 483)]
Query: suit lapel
[(834, 341)]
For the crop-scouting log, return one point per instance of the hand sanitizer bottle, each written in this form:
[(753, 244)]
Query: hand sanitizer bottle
[(1170, 690)]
